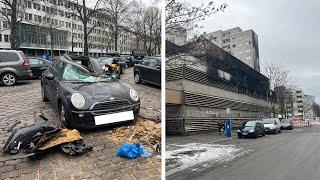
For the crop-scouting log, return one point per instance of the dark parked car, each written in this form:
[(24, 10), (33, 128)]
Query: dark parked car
[(14, 66), (104, 60), (131, 61), (148, 70), (85, 98), (286, 124), (38, 65), (252, 128)]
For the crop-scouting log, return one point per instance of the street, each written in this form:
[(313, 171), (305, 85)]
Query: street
[(287, 156), (23, 103)]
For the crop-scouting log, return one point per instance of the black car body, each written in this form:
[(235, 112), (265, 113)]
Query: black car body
[(286, 124), (131, 61), (251, 128), (85, 98), (148, 70), (38, 65)]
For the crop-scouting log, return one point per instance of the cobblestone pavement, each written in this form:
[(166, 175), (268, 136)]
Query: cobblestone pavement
[(23, 101)]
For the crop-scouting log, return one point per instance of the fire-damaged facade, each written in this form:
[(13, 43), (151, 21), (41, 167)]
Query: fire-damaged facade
[(205, 84)]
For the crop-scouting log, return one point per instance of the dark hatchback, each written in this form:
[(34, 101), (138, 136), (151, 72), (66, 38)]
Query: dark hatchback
[(148, 70), (286, 124), (251, 128), (87, 98), (38, 65)]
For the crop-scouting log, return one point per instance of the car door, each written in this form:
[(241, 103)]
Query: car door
[(154, 71), (144, 69), (53, 85)]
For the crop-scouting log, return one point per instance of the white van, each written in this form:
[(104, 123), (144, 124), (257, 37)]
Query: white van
[(272, 125)]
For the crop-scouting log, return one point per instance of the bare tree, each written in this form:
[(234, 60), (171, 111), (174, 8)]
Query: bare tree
[(152, 29), (117, 15), (181, 14), (316, 109), (12, 14), (87, 16), (278, 75)]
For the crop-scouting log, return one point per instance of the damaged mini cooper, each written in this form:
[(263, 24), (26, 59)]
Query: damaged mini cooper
[(87, 97)]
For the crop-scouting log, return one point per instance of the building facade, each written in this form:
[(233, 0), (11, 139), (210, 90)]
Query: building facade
[(53, 20), (241, 44), (300, 105), (203, 81)]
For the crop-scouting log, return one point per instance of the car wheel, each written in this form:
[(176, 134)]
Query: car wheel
[(239, 136), (255, 135), (64, 118), (43, 96), (279, 130), (263, 134), (8, 79), (137, 78)]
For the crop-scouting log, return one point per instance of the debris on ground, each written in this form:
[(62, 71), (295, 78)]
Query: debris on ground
[(145, 131), (38, 138), (132, 151)]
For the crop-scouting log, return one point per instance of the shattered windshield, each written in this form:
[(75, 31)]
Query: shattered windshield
[(73, 73)]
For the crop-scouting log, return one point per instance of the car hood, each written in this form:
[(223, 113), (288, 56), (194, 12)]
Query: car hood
[(271, 126), (102, 91)]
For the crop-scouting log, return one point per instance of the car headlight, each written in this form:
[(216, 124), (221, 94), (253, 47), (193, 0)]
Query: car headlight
[(78, 100), (134, 95), (251, 130), (238, 130)]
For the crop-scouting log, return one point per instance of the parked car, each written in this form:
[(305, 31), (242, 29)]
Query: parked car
[(85, 98), (108, 60), (131, 61), (251, 128), (38, 65), (148, 70), (287, 124), (272, 125), (14, 66)]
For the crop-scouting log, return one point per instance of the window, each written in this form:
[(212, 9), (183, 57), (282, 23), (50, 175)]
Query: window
[(8, 57), (0, 37), (29, 4), (153, 63), (5, 24), (145, 62), (58, 68), (34, 61), (6, 38), (34, 6), (234, 46)]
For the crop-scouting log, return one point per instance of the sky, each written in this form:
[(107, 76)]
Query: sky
[(288, 32)]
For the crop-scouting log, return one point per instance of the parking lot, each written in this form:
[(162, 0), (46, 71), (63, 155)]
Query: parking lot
[(23, 103)]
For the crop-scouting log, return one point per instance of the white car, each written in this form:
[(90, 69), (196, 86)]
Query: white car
[(272, 125)]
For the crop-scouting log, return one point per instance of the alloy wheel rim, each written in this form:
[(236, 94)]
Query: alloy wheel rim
[(9, 79), (136, 77)]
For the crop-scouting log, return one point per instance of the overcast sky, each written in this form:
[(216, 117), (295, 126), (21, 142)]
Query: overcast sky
[(288, 32)]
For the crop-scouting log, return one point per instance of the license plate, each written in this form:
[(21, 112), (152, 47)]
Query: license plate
[(113, 118), (244, 133)]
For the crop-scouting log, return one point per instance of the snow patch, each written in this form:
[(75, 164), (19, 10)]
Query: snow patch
[(189, 155)]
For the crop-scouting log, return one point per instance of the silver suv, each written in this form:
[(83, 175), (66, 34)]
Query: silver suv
[(14, 66)]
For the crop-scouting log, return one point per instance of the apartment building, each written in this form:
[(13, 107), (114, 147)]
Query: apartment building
[(241, 44), (50, 24)]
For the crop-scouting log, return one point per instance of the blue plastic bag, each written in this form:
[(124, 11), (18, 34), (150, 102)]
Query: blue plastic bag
[(132, 151)]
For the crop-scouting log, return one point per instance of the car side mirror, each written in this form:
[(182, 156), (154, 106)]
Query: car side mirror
[(158, 67), (49, 76)]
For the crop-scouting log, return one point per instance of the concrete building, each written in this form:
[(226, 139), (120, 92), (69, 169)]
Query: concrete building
[(176, 34), (309, 113), (203, 81), (41, 17), (241, 44)]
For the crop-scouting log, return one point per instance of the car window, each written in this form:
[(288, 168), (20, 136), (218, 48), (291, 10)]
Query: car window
[(145, 62), (58, 68), (41, 61), (268, 121), (73, 73), (107, 60), (8, 57), (250, 124), (34, 61), (153, 63)]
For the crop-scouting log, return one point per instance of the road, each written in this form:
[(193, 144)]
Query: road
[(291, 155)]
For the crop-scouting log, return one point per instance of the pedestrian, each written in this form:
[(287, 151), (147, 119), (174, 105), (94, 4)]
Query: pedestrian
[(220, 126)]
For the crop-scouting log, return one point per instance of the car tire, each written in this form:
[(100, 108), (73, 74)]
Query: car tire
[(255, 135), (279, 130), (263, 134), (8, 79), (239, 136), (64, 117), (137, 78), (43, 96)]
